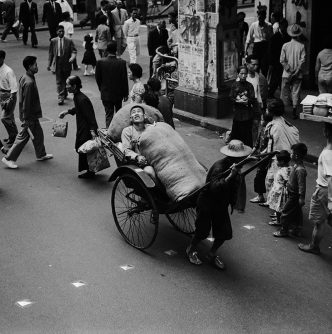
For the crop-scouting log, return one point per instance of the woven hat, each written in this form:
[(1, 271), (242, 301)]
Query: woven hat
[(294, 30), (236, 149)]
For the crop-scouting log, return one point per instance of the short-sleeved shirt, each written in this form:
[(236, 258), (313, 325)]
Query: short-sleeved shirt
[(324, 168), (8, 79), (325, 58), (259, 33)]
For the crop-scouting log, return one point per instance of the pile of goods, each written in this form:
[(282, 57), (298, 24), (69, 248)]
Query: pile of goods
[(318, 106), (173, 161)]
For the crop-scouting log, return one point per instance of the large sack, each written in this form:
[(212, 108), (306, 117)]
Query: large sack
[(122, 119), (173, 161)]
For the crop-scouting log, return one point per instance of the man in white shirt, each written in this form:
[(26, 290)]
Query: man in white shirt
[(65, 7), (131, 32), (320, 212), (8, 97), (292, 58), (260, 33)]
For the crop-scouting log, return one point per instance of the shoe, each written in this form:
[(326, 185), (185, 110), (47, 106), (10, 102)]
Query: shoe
[(3, 40), (87, 175), (309, 248), (193, 257), (34, 46), (86, 73), (61, 102), (265, 204), (45, 157), (4, 150), (296, 233), (257, 199), (9, 163), (274, 223), (216, 262), (280, 234), (24, 43), (92, 72)]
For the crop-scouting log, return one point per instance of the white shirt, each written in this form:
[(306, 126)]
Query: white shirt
[(65, 7), (8, 79), (257, 33), (292, 57), (131, 28), (255, 82), (68, 27), (324, 170)]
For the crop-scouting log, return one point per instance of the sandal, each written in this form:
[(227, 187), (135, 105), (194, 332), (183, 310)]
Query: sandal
[(274, 223), (193, 257)]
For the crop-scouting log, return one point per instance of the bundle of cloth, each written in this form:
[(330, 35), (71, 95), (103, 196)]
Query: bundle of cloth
[(122, 119), (173, 161)]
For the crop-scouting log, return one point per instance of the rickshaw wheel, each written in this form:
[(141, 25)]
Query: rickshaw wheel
[(134, 211), (183, 221)]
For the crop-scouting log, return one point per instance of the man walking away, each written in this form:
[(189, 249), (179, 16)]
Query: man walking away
[(112, 80), (120, 16), (62, 53), (29, 18), (292, 58), (7, 9), (52, 15), (30, 112), (131, 32), (90, 6), (8, 97)]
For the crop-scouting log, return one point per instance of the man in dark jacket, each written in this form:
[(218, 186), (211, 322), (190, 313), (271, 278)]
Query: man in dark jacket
[(112, 80), (90, 7), (29, 18), (30, 112), (157, 37), (52, 15), (7, 9)]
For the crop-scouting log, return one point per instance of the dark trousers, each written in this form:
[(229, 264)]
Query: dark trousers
[(275, 80), (242, 130), (8, 28), (52, 30), (110, 108), (90, 17), (82, 162), (61, 76), (292, 213), (259, 181), (260, 50), (151, 65), (23, 137), (8, 118), (75, 66), (34, 40)]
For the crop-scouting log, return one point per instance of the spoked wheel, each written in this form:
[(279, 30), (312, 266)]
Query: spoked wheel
[(183, 221), (134, 211)]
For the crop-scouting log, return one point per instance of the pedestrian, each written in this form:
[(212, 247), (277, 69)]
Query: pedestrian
[(291, 215), (89, 57), (65, 8), (86, 123), (90, 7), (112, 80), (131, 32), (138, 88), (157, 37), (142, 6), (243, 28), (260, 33), (62, 53), (69, 32), (276, 17), (120, 16), (324, 67), (30, 112), (52, 15), (275, 68), (103, 36), (243, 98), (102, 11), (28, 16), (213, 202), (8, 98), (8, 14), (292, 58), (320, 205), (278, 196)]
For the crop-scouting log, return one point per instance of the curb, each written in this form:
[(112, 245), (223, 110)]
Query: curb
[(210, 124)]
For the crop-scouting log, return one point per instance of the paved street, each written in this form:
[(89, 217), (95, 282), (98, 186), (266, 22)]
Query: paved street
[(57, 229)]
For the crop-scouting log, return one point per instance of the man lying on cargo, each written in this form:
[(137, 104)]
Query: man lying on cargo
[(130, 138)]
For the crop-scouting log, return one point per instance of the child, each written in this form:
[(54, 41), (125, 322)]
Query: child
[(89, 57), (277, 196), (296, 185), (103, 35), (243, 96), (69, 31)]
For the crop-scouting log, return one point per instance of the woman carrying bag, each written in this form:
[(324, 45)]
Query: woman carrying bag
[(85, 121)]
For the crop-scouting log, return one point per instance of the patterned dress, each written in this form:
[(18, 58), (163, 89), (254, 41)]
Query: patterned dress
[(277, 196)]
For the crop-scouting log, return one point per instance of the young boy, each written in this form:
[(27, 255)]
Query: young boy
[(296, 186)]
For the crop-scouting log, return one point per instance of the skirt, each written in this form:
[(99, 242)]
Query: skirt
[(89, 58)]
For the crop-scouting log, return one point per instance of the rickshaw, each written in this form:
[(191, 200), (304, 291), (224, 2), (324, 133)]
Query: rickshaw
[(137, 201)]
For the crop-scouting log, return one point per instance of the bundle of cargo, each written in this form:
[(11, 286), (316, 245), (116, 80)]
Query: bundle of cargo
[(321, 108), (173, 161), (122, 119)]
